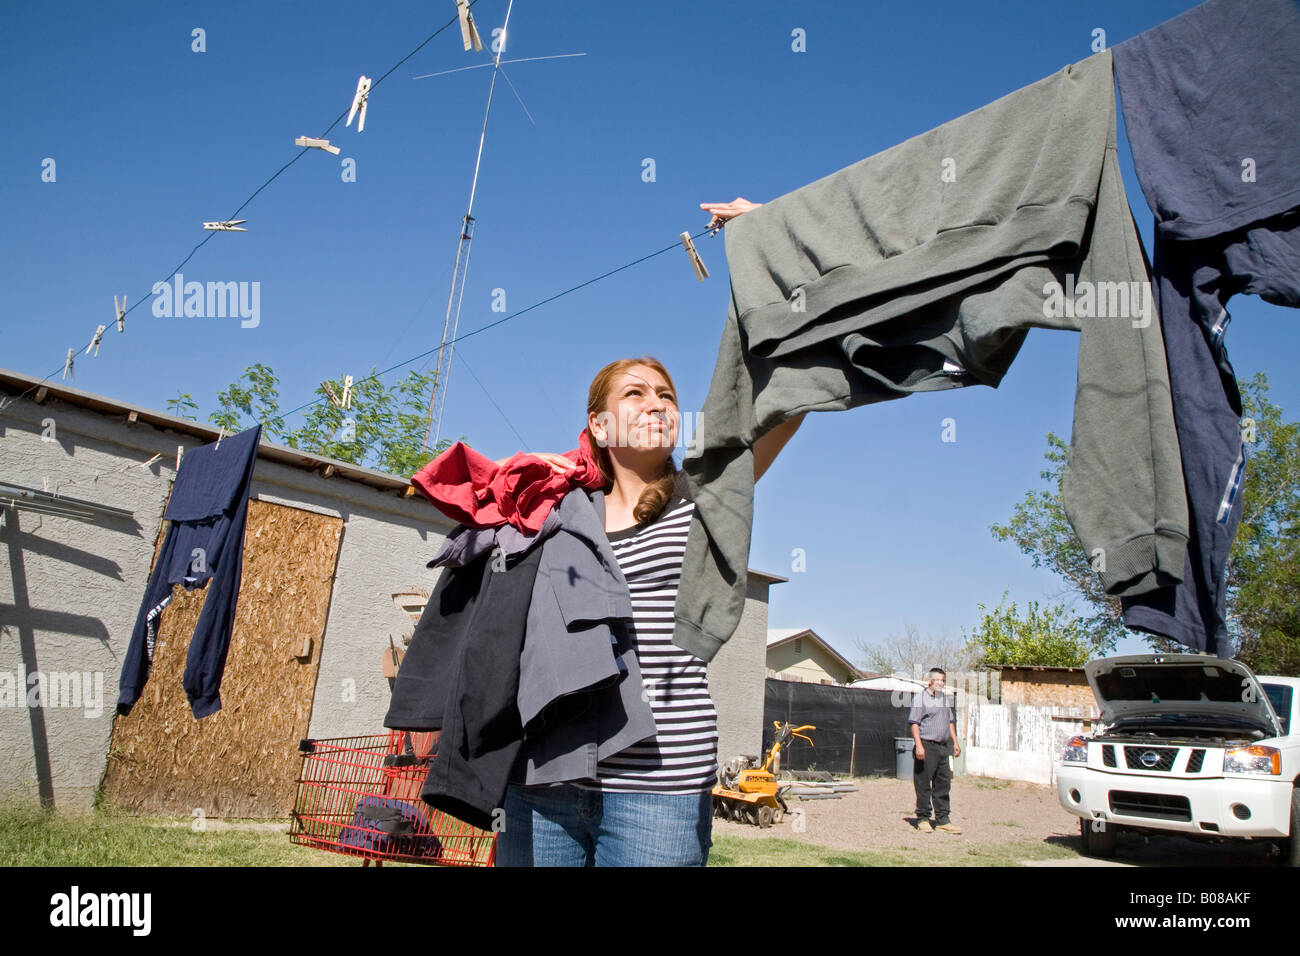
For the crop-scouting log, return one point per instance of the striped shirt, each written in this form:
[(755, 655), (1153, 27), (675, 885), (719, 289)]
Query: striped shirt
[(682, 756)]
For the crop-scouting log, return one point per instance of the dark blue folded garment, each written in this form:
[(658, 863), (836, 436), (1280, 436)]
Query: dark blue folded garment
[(388, 825)]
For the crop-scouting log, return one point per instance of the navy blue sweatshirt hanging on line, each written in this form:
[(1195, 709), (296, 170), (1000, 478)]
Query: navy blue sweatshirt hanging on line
[(205, 542), (1209, 102)]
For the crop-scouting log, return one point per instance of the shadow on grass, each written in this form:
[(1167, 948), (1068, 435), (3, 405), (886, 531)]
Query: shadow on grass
[(1160, 849)]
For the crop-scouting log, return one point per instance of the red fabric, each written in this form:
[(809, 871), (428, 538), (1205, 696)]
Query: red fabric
[(472, 489)]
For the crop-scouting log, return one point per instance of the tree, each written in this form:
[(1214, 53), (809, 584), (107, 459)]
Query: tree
[(383, 428), (912, 654), (1263, 566), (182, 405), (255, 400), (1040, 528), (1044, 637)]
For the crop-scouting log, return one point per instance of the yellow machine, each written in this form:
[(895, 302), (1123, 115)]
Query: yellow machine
[(749, 794)]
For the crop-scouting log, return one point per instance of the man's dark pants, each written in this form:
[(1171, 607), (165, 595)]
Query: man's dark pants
[(933, 778)]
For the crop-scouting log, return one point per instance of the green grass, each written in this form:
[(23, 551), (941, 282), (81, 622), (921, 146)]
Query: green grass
[(33, 837), (30, 836)]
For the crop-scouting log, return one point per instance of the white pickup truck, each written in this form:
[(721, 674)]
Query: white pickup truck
[(1192, 744)]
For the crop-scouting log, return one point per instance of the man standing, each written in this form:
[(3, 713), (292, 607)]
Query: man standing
[(934, 734)]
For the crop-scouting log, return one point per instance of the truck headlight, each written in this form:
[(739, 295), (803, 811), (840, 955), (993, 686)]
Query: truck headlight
[(1076, 750), (1254, 759)]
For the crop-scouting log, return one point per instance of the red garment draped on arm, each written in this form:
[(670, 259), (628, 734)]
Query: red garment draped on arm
[(472, 489)]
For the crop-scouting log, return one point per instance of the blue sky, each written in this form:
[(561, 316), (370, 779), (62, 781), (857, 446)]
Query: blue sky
[(150, 139)]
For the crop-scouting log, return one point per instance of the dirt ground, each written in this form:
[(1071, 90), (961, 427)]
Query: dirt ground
[(882, 816)]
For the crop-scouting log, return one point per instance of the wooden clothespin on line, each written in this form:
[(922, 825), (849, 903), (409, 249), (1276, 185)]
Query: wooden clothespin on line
[(180, 453), (67, 365), (392, 659), (94, 342), (468, 31), (227, 225), (220, 435), (317, 144), (359, 101), (120, 310), (339, 401), (697, 263)]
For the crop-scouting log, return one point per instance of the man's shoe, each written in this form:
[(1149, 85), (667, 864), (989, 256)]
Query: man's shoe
[(924, 826), (949, 828)]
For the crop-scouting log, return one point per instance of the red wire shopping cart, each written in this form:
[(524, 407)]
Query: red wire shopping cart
[(361, 796)]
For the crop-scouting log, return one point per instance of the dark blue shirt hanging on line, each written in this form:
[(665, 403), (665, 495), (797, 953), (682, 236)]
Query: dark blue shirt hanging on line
[(1209, 102), (208, 510)]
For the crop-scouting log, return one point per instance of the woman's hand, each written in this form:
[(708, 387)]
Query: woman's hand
[(722, 211), (560, 463)]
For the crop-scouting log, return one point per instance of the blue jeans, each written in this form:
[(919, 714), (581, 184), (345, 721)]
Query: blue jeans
[(566, 825)]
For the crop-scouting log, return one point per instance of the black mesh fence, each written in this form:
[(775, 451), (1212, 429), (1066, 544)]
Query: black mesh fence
[(856, 728)]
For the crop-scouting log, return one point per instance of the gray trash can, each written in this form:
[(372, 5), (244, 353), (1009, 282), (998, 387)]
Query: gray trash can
[(904, 757)]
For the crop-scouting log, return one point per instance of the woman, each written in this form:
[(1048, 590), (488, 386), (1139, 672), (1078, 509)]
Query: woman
[(650, 805)]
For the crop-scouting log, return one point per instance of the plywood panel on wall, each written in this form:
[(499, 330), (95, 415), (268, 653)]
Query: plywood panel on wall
[(243, 760)]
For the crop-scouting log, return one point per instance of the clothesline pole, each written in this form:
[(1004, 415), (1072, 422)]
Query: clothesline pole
[(455, 296)]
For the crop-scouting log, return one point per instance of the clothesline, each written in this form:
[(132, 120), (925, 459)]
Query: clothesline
[(274, 176), (513, 315), (60, 485)]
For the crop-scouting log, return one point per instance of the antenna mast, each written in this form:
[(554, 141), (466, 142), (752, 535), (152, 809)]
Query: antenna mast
[(438, 399)]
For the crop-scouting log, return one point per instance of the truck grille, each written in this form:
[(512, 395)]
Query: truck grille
[(1158, 806), (1108, 755), (1164, 758), (1195, 760)]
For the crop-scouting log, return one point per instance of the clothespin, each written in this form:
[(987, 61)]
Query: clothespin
[(468, 32), (229, 225), (317, 143), (152, 460), (220, 435), (697, 263), (331, 394), (359, 103), (180, 452), (392, 658), (121, 313), (67, 364), (347, 391), (94, 343)]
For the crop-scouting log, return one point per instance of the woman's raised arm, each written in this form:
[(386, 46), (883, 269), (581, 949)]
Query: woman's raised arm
[(767, 447)]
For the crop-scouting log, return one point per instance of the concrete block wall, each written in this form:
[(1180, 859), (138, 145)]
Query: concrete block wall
[(70, 590)]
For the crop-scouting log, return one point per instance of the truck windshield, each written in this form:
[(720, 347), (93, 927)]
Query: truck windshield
[(1279, 695)]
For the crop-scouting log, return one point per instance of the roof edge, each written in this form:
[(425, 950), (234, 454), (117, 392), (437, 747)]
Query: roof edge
[(307, 461)]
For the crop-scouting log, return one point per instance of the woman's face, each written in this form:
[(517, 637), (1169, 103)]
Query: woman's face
[(640, 413)]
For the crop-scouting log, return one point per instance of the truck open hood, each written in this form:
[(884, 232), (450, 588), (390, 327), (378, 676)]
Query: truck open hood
[(1144, 685)]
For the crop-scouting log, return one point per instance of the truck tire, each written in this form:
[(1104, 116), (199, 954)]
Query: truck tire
[(1100, 843)]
